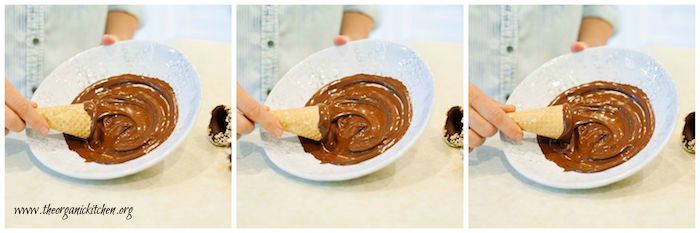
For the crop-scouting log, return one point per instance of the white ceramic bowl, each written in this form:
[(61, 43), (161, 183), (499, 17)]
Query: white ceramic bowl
[(564, 72), (304, 79), (128, 57)]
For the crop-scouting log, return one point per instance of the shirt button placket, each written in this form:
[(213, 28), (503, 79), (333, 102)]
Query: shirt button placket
[(268, 41), (35, 48), (508, 40)]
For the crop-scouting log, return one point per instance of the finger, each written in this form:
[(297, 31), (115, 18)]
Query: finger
[(243, 125), (341, 40), (257, 112), (109, 39), (492, 112), (474, 92), (475, 140), (508, 107), (12, 121), (25, 110), (480, 125), (578, 46)]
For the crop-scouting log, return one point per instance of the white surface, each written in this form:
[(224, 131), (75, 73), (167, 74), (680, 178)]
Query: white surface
[(368, 57), (194, 179), (130, 57), (662, 194), (423, 188), (564, 72)]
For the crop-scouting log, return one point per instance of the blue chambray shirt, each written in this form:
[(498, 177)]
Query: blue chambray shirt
[(39, 38), (272, 39), (506, 43)]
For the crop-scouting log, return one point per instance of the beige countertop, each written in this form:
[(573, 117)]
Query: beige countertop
[(424, 188), (661, 195), (190, 188)]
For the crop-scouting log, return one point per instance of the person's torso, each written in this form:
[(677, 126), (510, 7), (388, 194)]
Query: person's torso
[(506, 43), (272, 39), (39, 38)]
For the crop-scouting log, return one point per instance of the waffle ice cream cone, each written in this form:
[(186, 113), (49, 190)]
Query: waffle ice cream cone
[(300, 121), (70, 119), (547, 122)]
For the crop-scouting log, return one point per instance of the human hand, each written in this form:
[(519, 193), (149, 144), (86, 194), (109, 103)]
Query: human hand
[(341, 40), (19, 112), (251, 112), (109, 39), (486, 117), (353, 26), (578, 46), (593, 32)]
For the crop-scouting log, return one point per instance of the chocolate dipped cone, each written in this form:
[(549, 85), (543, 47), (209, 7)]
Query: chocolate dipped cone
[(300, 121), (69, 119), (547, 122)]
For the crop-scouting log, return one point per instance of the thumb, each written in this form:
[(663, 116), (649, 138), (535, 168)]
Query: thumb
[(508, 107)]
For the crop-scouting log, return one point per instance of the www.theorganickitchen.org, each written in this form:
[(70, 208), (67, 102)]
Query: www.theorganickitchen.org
[(66, 211)]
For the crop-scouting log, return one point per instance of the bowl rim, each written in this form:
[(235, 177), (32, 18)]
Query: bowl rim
[(371, 169), (603, 181), (137, 167)]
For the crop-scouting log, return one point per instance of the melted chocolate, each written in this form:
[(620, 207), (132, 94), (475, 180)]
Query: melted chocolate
[(688, 134), (689, 127), (219, 126), (452, 132), (361, 116), (131, 115), (606, 124)]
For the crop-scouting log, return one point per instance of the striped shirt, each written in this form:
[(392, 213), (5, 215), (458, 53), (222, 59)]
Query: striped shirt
[(39, 38), (272, 39), (506, 43)]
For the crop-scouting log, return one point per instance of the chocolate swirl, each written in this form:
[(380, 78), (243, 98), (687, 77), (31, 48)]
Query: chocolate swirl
[(606, 124), (361, 117), (131, 115)]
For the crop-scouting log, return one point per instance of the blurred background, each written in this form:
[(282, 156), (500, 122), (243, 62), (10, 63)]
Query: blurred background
[(410, 24), (403, 24), (166, 24), (643, 26), (640, 25)]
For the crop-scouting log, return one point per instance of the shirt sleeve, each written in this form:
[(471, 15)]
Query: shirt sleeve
[(607, 13), (371, 11), (136, 11)]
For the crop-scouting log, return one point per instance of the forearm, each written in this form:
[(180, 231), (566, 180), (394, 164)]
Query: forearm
[(356, 25), (121, 24), (595, 31)]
